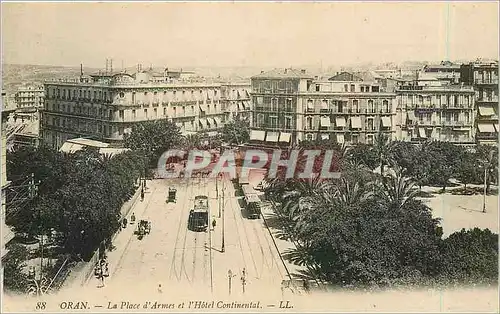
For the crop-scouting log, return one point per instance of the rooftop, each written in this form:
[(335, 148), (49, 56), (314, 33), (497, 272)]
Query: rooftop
[(283, 73)]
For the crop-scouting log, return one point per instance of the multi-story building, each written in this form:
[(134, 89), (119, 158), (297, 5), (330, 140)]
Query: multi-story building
[(445, 71), (437, 111), (347, 108), (30, 97), (105, 106), (483, 75), (236, 100)]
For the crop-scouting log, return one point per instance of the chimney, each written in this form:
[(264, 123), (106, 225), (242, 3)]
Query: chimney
[(261, 72), (303, 71), (111, 66), (286, 70), (81, 69), (106, 66)]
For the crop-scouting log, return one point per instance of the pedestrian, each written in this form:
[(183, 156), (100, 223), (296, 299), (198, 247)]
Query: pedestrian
[(160, 290), (213, 224), (132, 218), (142, 194)]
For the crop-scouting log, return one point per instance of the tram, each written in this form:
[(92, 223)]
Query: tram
[(198, 216), (252, 202)]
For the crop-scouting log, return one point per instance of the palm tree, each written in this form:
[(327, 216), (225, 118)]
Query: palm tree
[(397, 190), (382, 147)]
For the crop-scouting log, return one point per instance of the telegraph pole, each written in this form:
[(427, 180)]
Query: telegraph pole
[(223, 248), (230, 277), (243, 280)]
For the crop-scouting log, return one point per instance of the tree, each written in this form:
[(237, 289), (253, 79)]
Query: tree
[(382, 148), (444, 157), (471, 256), (236, 132), (13, 264), (363, 154), (153, 138), (467, 169), (404, 154), (488, 157)]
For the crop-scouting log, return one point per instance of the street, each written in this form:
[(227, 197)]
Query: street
[(180, 259)]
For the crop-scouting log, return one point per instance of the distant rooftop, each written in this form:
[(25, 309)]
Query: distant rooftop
[(284, 73)]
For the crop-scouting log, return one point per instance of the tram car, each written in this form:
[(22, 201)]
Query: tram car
[(198, 216)]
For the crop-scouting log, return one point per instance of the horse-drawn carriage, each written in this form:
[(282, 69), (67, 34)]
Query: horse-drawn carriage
[(172, 192), (144, 227)]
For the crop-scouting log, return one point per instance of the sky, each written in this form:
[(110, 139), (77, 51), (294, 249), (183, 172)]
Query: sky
[(247, 34)]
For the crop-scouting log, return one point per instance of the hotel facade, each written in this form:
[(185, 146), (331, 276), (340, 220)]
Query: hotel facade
[(290, 106), (105, 106)]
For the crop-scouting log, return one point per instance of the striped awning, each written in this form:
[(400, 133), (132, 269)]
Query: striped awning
[(486, 110), (356, 122), (257, 135), (203, 123), (386, 122), (272, 137), (218, 121), (285, 137), (340, 121), (486, 127), (325, 122)]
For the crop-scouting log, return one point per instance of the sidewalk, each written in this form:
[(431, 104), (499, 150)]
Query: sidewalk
[(123, 237), (120, 241)]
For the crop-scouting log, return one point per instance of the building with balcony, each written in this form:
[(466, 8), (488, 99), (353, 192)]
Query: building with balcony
[(483, 75), (29, 97), (105, 106), (236, 100), (346, 108), (437, 111), (445, 71)]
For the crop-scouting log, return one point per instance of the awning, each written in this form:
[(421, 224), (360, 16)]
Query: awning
[(325, 136), (486, 127), (240, 106), (285, 137), (386, 122), (70, 147), (246, 105), (340, 138), (324, 104), (218, 121), (179, 124), (325, 122), (411, 115), (404, 118), (212, 133), (272, 136), (257, 135), (310, 104), (340, 122), (486, 110), (211, 121), (421, 132), (356, 122), (203, 123), (496, 127), (203, 107)]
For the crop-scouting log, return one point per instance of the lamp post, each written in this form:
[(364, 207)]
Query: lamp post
[(486, 168), (223, 247)]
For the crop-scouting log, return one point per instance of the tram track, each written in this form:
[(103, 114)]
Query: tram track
[(178, 239)]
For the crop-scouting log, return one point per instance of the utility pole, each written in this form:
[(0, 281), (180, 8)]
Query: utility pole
[(223, 248), (484, 194), (230, 277)]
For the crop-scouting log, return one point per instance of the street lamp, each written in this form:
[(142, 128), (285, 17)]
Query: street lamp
[(223, 248)]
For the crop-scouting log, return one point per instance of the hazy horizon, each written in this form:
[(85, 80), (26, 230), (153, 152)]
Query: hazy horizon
[(226, 34)]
